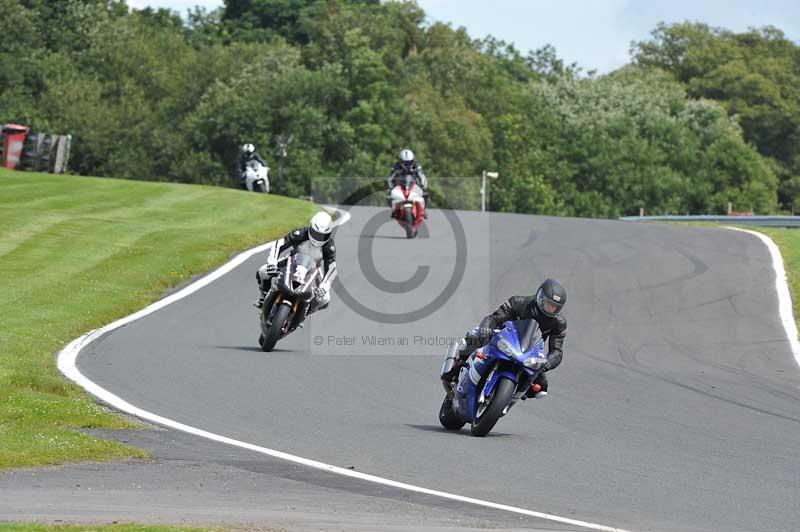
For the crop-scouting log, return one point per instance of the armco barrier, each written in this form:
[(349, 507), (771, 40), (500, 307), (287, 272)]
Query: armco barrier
[(764, 221)]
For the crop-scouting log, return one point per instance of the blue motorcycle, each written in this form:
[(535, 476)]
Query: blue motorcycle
[(493, 378)]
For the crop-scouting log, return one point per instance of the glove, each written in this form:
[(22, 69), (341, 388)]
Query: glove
[(321, 294), (478, 337), (272, 269), (485, 332)]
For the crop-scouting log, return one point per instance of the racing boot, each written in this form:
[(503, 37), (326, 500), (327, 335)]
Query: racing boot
[(264, 284), (258, 303), (538, 389)]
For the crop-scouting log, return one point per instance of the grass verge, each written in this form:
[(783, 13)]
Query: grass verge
[(788, 241), (98, 528), (79, 252)]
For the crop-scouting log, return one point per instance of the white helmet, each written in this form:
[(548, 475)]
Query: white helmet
[(319, 228), (407, 156), (248, 148)]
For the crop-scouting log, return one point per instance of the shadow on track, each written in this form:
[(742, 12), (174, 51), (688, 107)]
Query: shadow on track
[(251, 348), (442, 430)]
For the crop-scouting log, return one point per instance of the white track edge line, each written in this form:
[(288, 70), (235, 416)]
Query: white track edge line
[(782, 287), (67, 364)]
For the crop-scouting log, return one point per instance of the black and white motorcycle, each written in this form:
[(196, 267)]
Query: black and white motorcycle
[(296, 290)]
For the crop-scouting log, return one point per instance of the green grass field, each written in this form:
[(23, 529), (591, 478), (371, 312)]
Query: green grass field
[(77, 253), (98, 528)]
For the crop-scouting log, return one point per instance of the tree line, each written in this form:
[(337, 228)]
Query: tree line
[(700, 117)]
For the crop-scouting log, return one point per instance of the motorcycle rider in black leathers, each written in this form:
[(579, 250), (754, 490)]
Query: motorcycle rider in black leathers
[(407, 165), (544, 307), (248, 154), (316, 241)]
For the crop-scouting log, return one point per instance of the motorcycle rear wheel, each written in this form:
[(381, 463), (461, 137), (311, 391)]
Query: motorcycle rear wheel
[(499, 399), (448, 417), (275, 329)]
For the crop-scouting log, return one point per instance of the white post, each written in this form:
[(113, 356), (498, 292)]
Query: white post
[(483, 192)]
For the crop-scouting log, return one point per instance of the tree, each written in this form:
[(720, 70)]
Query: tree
[(263, 19), (755, 75), (149, 95)]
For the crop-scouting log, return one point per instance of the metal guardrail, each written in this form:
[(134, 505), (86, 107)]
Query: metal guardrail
[(765, 221)]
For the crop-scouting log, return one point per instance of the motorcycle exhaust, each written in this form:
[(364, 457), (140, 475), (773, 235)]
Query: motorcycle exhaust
[(451, 362)]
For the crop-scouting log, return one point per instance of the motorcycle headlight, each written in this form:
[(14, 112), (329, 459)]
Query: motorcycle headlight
[(534, 363), (506, 347)]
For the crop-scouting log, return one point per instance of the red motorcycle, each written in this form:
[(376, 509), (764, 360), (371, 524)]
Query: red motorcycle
[(408, 204)]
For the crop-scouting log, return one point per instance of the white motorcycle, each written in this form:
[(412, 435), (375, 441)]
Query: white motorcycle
[(256, 177)]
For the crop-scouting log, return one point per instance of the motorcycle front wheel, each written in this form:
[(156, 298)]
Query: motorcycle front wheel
[(491, 410), (275, 329), (408, 218)]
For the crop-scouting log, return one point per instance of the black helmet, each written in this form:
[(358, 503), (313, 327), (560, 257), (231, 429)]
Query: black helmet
[(550, 297)]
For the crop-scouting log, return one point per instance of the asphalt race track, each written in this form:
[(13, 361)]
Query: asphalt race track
[(677, 406)]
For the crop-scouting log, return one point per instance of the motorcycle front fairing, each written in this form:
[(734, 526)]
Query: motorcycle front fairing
[(294, 286), (284, 279), (297, 280), (501, 357), (253, 174), (406, 191)]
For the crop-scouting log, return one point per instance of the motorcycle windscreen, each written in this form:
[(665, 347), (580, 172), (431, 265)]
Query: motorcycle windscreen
[(527, 333), (304, 269)]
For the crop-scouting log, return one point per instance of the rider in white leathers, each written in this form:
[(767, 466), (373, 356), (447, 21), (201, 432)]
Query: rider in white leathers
[(315, 241)]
